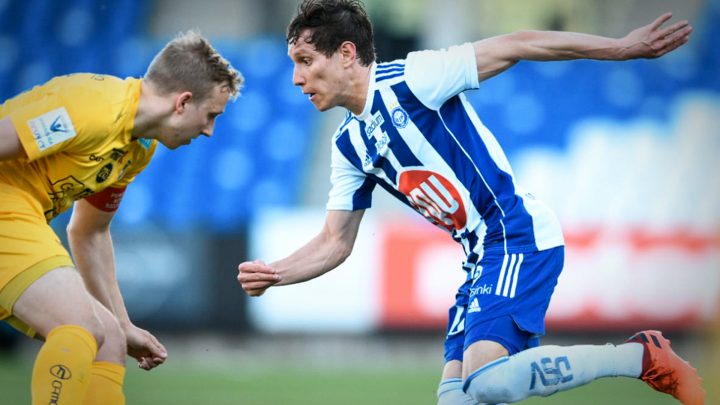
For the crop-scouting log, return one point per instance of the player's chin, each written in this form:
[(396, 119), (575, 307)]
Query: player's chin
[(172, 145), (178, 144), (323, 107), (319, 105)]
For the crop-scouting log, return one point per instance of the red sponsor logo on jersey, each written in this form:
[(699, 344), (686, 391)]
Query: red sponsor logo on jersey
[(107, 200), (435, 197)]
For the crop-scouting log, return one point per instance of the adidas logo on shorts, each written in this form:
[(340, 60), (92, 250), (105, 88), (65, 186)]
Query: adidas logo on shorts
[(474, 306)]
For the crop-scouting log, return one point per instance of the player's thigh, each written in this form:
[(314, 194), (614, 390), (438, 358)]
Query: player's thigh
[(479, 354), (452, 369), (58, 298), (29, 248), (27, 242), (455, 333)]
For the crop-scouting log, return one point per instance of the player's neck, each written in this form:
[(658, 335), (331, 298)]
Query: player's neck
[(358, 90), (152, 108)]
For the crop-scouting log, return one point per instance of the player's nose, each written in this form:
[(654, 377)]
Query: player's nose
[(297, 78)]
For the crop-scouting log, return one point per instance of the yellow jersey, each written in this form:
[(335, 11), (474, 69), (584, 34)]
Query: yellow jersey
[(77, 133)]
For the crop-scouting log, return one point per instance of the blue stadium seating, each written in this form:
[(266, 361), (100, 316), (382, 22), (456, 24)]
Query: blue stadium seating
[(259, 153)]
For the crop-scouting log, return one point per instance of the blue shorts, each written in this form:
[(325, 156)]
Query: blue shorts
[(504, 299)]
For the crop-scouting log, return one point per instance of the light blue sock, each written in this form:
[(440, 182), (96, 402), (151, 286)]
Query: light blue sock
[(450, 393), (546, 370)]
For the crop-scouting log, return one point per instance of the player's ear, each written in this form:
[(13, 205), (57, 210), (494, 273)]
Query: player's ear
[(348, 53), (181, 101)]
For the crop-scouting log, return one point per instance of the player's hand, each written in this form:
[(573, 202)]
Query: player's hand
[(145, 348), (256, 277), (654, 40)]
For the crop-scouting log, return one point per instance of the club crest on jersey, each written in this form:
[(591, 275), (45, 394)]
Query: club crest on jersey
[(399, 117)]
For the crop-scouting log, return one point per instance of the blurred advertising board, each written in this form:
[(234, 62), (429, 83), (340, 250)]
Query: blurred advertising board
[(403, 274), (181, 281)]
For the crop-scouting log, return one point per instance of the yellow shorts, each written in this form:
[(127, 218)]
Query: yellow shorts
[(29, 248)]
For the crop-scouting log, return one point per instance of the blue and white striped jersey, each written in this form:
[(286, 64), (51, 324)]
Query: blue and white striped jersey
[(420, 139)]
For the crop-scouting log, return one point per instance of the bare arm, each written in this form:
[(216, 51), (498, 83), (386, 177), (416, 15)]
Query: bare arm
[(321, 254), (495, 55), (91, 245), (10, 147)]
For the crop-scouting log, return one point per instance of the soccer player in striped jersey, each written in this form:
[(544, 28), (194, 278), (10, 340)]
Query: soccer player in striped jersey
[(410, 130), (83, 139)]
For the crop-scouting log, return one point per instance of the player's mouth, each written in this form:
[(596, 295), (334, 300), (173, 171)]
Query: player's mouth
[(310, 95)]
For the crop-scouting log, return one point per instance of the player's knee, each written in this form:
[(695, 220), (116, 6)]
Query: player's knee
[(450, 393), (108, 334), (493, 386), (95, 327), (114, 335), (490, 392), (114, 343)]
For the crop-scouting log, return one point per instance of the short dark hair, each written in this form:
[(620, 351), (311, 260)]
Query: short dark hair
[(189, 62), (332, 22)]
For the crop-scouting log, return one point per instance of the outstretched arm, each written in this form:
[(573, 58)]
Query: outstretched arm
[(321, 254), (495, 55)]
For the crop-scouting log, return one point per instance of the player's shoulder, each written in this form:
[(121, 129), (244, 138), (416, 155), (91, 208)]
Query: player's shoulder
[(90, 90), (454, 51), (93, 95), (86, 82), (385, 71)]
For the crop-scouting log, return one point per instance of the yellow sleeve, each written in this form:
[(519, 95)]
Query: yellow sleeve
[(60, 122)]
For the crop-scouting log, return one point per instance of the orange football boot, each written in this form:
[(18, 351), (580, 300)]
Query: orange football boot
[(665, 371)]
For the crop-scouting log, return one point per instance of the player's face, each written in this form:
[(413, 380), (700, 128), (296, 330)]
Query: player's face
[(192, 118), (320, 77)]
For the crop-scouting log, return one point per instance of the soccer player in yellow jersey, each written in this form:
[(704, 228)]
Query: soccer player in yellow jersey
[(82, 139)]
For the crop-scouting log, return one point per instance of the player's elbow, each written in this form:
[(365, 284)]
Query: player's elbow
[(523, 36), (343, 251), (77, 230), (73, 231), (338, 245)]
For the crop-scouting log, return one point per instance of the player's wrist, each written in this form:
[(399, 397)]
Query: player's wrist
[(126, 325)]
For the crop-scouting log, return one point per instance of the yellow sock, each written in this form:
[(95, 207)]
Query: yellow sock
[(61, 374), (106, 384)]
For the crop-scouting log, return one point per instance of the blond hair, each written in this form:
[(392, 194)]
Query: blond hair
[(190, 63)]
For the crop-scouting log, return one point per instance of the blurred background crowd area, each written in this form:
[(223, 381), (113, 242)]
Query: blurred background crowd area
[(625, 153)]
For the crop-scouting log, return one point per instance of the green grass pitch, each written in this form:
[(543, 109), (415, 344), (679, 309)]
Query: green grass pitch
[(187, 381)]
